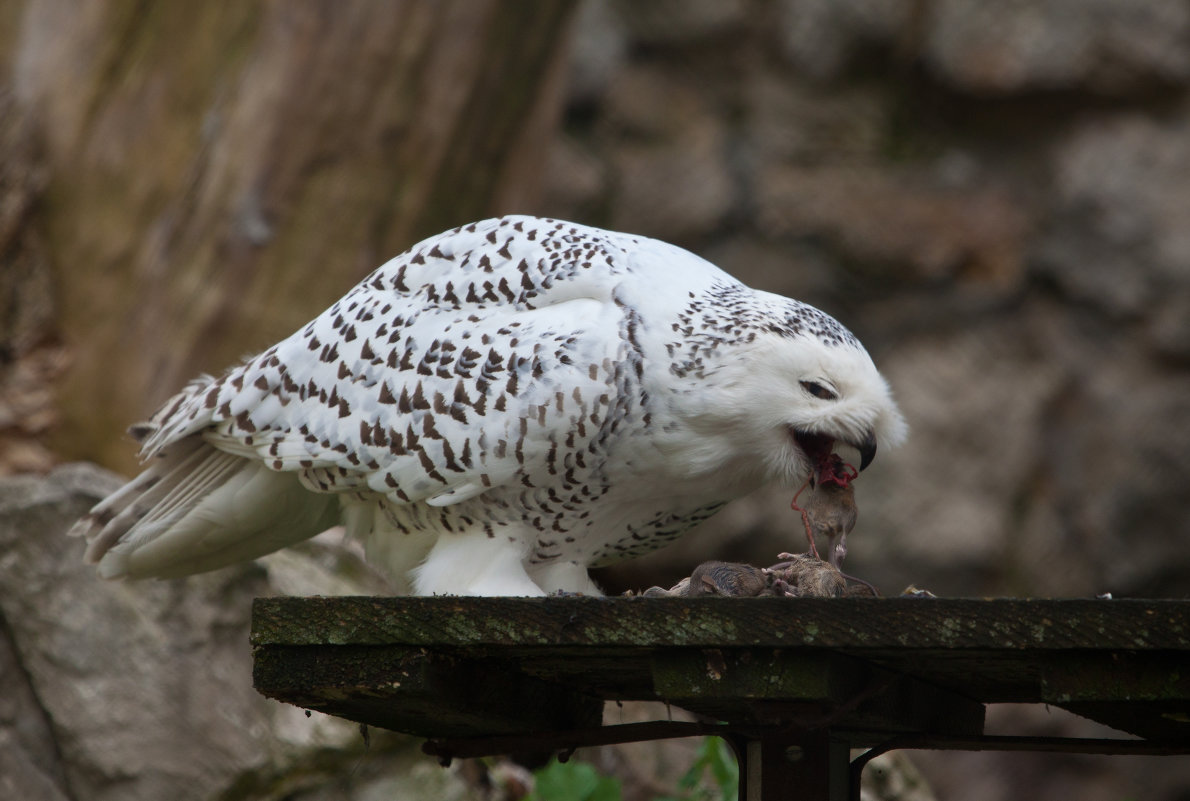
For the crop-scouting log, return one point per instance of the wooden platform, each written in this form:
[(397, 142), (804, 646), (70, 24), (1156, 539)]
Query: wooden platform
[(777, 676)]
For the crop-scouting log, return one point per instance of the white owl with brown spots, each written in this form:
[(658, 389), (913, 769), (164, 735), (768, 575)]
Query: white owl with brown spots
[(496, 410)]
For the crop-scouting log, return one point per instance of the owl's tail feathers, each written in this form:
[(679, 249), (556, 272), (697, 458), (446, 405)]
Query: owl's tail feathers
[(197, 508)]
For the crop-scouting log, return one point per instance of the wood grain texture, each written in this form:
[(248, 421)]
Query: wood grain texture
[(851, 623), (880, 665), (217, 174)]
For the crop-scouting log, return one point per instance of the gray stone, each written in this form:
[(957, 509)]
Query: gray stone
[(29, 766), (144, 691), (1109, 46), (1119, 240), (598, 51), (975, 400), (676, 21), (892, 220), (576, 181), (669, 176), (821, 36), (810, 125), (677, 193), (1169, 329)]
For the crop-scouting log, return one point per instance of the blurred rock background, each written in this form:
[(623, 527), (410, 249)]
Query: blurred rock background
[(995, 197)]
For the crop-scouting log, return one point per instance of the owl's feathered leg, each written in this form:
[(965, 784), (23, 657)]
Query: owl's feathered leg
[(390, 544), (565, 577), (475, 564)]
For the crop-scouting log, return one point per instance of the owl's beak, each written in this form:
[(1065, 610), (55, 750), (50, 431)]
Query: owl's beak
[(866, 448)]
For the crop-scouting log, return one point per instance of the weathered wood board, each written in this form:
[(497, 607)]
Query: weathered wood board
[(459, 667)]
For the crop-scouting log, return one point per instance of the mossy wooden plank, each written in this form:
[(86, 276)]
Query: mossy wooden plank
[(417, 692), (877, 665), (755, 674), (769, 686), (1162, 676), (1004, 625), (1143, 694)]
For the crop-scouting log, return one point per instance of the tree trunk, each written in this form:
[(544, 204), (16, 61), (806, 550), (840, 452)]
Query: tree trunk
[(219, 173)]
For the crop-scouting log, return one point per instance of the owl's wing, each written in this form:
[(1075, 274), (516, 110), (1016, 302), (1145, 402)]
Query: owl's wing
[(483, 356)]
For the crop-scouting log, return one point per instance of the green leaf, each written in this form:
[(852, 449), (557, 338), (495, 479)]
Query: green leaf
[(724, 768), (573, 781), (606, 789), (714, 756)]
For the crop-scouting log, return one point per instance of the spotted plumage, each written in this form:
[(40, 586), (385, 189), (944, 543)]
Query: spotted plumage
[(494, 411)]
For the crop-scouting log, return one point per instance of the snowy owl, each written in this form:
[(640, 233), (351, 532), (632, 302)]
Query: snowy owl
[(495, 411)]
